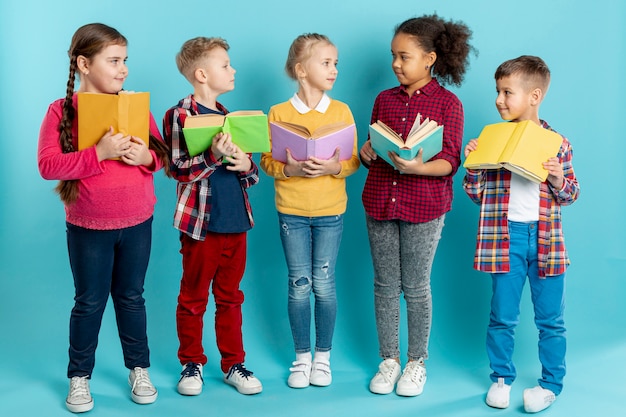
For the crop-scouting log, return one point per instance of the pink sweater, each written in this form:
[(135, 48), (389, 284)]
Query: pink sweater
[(112, 194)]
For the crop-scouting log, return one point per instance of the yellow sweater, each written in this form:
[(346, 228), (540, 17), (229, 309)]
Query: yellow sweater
[(311, 197)]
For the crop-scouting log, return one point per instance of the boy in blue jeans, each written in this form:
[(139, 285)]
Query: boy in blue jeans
[(213, 215), (519, 236)]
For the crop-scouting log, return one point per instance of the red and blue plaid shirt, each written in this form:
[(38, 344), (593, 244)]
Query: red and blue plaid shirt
[(490, 189), (390, 195), (193, 208)]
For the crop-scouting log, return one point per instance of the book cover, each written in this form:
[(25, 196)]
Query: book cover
[(248, 130), (426, 135), (521, 148), (126, 112), (303, 144)]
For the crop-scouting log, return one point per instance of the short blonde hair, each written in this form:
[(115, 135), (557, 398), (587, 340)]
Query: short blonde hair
[(194, 51)]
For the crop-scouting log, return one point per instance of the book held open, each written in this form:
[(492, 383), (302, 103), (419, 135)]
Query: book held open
[(304, 144), (521, 148), (248, 129), (424, 134)]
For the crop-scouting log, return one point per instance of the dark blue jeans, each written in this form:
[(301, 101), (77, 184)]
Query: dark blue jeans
[(107, 262)]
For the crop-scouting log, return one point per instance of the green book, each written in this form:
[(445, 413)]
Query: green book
[(248, 129)]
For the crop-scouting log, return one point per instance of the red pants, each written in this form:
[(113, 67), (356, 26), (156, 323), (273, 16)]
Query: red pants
[(219, 259)]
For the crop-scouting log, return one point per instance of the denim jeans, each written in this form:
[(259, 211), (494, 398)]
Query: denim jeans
[(311, 245), (107, 262), (403, 255), (548, 298)]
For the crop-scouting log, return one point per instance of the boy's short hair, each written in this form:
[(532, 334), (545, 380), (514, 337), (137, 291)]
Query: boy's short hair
[(533, 70), (193, 51)]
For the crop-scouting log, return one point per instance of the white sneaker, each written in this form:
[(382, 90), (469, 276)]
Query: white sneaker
[(412, 381), (79, 398), (498, 394), (142, 391), (300, 374), (320, 373), (190, 382), (242, 379), (537, 399), (385, 379)]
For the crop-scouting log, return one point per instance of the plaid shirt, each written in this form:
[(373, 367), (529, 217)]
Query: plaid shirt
[(490, 189), (389, 195), (193, 208)]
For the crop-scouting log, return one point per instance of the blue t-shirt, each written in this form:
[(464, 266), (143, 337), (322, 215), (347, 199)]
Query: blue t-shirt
[(228, 207)]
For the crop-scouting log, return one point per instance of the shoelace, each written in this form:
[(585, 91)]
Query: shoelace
[(142, 379), (415, 371), (241, 370), (386, 372), (191, 370), (79, 387)]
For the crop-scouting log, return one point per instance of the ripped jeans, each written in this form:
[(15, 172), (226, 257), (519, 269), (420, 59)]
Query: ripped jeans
[(311, 245)]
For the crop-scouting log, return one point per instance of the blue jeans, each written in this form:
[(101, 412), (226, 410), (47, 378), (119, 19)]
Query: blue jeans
[(108, 262), (311, 245), (548, 298)]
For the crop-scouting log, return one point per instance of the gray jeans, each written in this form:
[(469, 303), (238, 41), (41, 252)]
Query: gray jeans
[(403, 255)]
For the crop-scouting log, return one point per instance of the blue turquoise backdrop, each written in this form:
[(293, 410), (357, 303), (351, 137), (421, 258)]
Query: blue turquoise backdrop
[(582, 42)]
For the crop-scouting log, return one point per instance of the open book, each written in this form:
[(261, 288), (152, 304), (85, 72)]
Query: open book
[(248, 130), (426, 135), (126, 112), (303, 144), (519, 147)]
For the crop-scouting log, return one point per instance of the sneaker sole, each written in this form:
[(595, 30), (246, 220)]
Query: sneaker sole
[(408, 392), (381, 391), (189, 391), (321, 383), (144, 399), (245, 391), (79, 408)]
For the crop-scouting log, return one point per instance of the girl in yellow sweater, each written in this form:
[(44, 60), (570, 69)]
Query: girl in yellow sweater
[(311, 200)]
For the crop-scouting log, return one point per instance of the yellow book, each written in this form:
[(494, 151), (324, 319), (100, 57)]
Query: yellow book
[(521, 148), (127, 112)]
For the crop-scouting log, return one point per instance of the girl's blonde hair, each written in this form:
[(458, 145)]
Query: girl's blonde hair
[(301, 50), (88, 41)]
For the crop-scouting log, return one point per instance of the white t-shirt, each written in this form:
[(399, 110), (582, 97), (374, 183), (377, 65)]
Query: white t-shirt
[(524, 200)]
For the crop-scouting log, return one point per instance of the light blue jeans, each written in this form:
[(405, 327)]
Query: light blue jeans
[(311, 245), (548, 298)]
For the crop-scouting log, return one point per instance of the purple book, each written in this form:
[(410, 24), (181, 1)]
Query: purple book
[(303, 144)]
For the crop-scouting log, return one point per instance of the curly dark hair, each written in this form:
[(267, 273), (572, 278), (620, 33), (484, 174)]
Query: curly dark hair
[(448, 39)]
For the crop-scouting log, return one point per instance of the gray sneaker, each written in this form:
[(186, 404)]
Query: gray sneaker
[(79, 398), (141, 389)]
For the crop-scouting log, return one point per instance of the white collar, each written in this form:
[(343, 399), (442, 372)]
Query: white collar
[(302, 108)]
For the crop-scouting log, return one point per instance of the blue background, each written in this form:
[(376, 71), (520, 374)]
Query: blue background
[(582, 42)]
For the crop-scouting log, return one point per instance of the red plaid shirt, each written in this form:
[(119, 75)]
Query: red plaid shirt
[(193, 208), (490, 189), (389, 195)]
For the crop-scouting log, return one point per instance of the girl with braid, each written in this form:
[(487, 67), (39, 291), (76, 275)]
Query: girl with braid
[(108, 205)]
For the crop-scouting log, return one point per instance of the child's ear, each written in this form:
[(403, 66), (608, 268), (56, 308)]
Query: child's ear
[(299, 70), (431, 57), (200, 75), (82, 64), (536, 96)]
